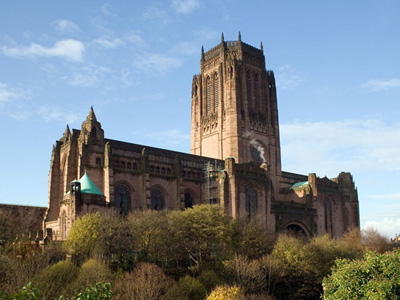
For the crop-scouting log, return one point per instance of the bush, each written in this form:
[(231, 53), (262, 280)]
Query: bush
[(83, 237), (90, 273), (187, 288), (53, 280), (226, 293), (146, 282), (375, 276)]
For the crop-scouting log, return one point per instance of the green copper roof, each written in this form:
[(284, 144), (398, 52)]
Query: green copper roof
[(88, 187), (300, 184)]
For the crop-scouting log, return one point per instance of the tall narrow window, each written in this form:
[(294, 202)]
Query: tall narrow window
[(216, 91), (188, 200), (208, 95), (122, 200), (251, 202), (257, 92), (157, 199), (248, 86), (328, 215)]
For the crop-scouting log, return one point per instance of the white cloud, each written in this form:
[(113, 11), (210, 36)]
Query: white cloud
[(395, 196), (156, 62), (109, 43), (8, 94), (134, 37), (88, 75), (185, 6), (376, 85), (69, 49), (386, 226), (66, 27), (172, 138), (105, 11), (156, 13), (287, 77), (332, 147)]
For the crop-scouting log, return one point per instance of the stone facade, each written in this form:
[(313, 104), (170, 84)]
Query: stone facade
[(235, 160)]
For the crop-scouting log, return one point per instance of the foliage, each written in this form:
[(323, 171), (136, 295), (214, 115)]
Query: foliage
[(115, 244), (248, 274), (375, 276), (149, 230), (353, 240), (28, 292), (90, 273), (304, 264), (203, 232), (100, 291), (146, 282), (226, 293), (53, 280), (84, 235), (251, 239), (187, 288), (210, 279), (374, 241)]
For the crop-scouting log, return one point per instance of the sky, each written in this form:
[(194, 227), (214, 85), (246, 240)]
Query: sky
[(336, 63)]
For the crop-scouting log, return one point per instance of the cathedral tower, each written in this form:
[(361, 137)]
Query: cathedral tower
[(234, 106)]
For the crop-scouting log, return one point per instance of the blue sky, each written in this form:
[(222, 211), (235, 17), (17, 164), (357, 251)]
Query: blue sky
[(336, 64)]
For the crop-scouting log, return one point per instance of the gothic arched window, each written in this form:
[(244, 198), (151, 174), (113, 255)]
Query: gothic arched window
[(208, 95), (64, 225), (251, 202), (248, 89), (216, 91), (257, 92), (157, 199), (328, 215), (122, 200), (188, 200)]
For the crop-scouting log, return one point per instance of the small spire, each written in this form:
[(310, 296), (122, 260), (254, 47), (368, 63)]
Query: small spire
[(261, 47), (222, 38), (67, 132), (202, 52), (240, 37), (91, 115)]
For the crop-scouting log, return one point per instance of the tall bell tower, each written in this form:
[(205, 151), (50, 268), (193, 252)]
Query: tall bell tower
[(234, 106)]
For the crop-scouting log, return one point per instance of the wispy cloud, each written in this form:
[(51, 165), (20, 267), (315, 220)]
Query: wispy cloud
[(185, 6), (156, 62), (172, 138), (386, 226), (395, 196), (287, 77), (71, 50), (158, 14), (106, 11), (8, 94), (332, 147), (376, 85), (109, 43), (88, 75), (66, 27)]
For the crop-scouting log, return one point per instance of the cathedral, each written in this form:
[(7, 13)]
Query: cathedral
[(235, 160)]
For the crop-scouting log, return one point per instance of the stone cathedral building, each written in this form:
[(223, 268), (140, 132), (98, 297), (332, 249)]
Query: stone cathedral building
[(235, 160)]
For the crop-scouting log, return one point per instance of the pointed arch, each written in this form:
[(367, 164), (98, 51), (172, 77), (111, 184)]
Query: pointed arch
[(122, 199), (248, 90), (256, 92), (216, 92), (251, 203), (157, 198), (208, 94)]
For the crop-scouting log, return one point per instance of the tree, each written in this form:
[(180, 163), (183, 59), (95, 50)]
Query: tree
[(226, 293), (375, 276), (305, 264), (187, 288), (251, 238), (90, 273), (53, 280), (83, 237), (203, 232), (375, 241), (146, 282)]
